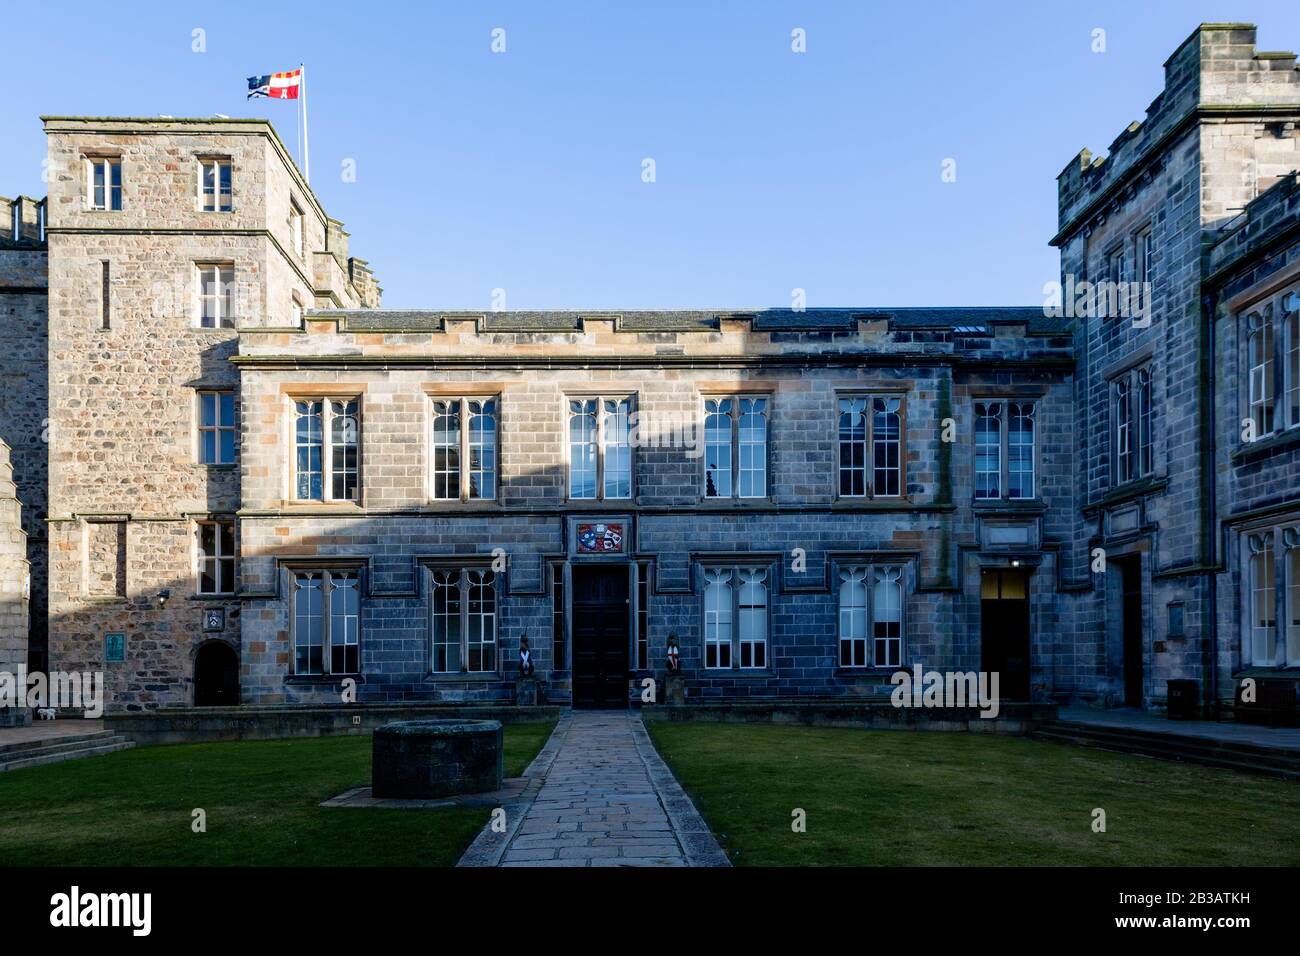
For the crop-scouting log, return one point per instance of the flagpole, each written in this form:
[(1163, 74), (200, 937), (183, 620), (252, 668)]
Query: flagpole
[(306, 145)]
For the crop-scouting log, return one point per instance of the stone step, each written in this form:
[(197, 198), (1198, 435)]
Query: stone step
[(60, 754), (1211, 753), (10, 750)]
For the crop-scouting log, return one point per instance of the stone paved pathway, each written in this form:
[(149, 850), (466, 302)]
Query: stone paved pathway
[(606, 799)]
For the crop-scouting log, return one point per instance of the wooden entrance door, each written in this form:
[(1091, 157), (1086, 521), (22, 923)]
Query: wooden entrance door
[(601, 631)]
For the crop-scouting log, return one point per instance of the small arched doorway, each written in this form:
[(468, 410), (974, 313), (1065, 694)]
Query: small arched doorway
[(216, 675)]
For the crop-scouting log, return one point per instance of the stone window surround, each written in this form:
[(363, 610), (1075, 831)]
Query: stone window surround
[(1280, 308), (215, 160), (768, 564), (297, 229), (1007, 396), (1282, 539), (200, 390), (217, 268), (1141, 435), (900, 390), (463, 392), (736, 391), (293, 392), (872, 563), (462, 566), (577, 395), (200, 557), (291, 568), (90, 159)]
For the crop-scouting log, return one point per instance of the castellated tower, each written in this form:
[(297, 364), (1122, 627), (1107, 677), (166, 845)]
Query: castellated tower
[(1223, 130), (23, 376), (165, 237)]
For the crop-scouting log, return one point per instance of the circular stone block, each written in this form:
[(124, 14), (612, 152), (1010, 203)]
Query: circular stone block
[(428, 759)]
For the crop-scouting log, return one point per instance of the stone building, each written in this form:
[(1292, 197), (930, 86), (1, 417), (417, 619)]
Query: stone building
[(15, 586), (264, 488), (1159, 398)]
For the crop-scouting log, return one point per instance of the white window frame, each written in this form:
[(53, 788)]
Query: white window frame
[(722, 624), (859, 623), (1131, 424), (106, 164), (218, 427), (327, 416), (870, 472), (352, 629), (220, 275), (466, 578), (735, 412), (1143, 249), (465, 475), (296, 227), (223, 565), (600, 439), (221, 200), (1007, 409), (1270, 581), (1261, 346)]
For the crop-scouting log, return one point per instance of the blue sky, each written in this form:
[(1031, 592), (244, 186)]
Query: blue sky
[(523, 170)]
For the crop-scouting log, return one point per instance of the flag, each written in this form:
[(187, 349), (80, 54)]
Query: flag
[(276, 86)]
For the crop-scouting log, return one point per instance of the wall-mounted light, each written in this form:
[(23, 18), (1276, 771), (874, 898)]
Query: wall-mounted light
[(1015, 563), (163, 595)]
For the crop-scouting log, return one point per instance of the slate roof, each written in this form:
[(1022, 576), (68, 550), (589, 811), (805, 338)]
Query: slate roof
[(977, 320)]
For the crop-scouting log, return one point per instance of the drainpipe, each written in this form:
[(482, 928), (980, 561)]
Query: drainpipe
[(1209, 471)]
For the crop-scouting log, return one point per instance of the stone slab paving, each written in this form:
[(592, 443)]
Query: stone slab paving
[(49, 731), (606, 799)]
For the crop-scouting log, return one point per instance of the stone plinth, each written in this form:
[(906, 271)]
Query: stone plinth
[(675, 689), (526, 692), (426, 759)]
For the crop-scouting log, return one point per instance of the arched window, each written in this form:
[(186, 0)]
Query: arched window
[(1020, 450), (1263, 620), (1144, 421), (717, 617), (1125, 470), (988, 449), (853, 617), (887, 617), (1259, 361), (463, 620), (326, 621), (886, 445), (853, 447)]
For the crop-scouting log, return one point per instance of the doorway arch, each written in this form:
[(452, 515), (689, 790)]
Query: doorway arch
[(216, 675)]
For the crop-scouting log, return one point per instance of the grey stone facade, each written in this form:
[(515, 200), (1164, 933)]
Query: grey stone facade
[(1132, 558)]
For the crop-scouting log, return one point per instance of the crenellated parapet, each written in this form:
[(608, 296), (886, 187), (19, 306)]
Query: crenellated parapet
[(1216, 71), (22, 223)]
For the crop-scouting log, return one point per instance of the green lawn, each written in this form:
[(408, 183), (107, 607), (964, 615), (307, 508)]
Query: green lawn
[(133, 808), (891, 798)]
